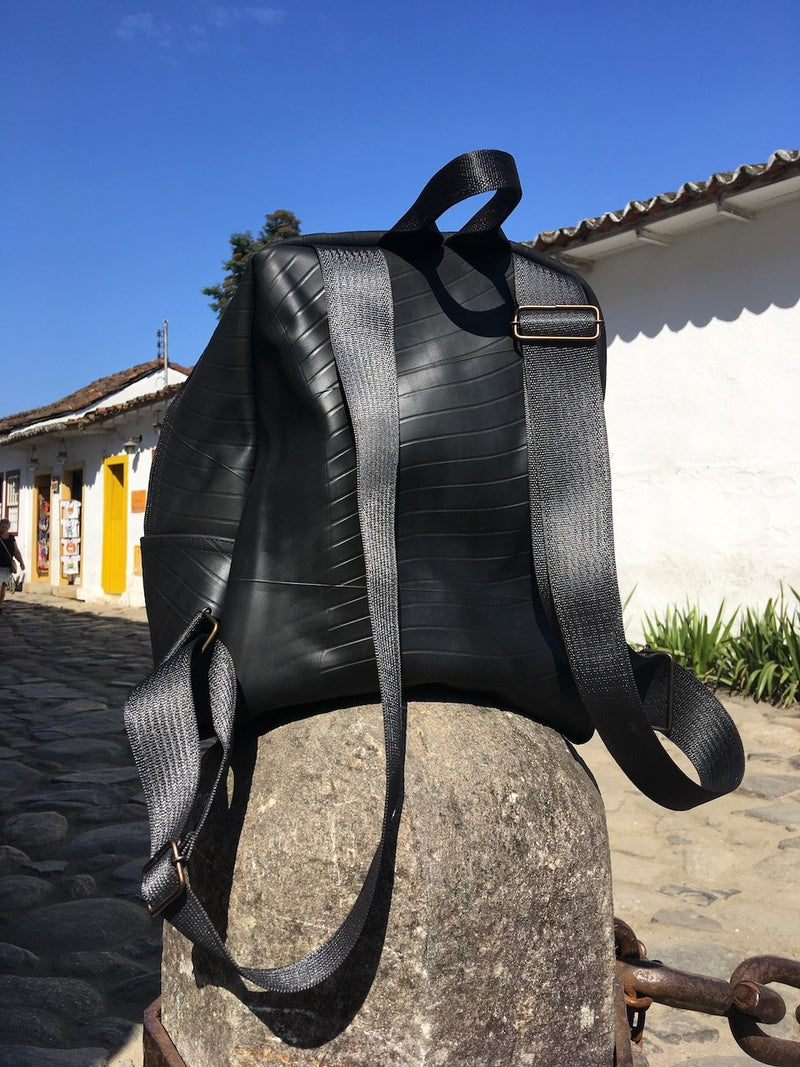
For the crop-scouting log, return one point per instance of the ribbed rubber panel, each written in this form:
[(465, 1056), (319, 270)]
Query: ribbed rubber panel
[(469, 613)]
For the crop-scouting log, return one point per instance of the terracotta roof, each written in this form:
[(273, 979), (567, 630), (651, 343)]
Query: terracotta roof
[(102, 413), (86, 396), (781, 165), (95, 417)]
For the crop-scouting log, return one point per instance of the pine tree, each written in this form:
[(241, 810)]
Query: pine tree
[(278, 226)]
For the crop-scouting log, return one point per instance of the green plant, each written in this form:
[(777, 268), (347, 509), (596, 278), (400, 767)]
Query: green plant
[(763, 659), (690, 639)]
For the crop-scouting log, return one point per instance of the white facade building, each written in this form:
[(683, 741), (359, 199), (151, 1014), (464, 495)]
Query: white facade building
[(74, 482), (700, 290)]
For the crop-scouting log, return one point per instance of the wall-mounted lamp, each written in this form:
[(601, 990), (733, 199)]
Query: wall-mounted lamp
[(33, 458), (61, 455), (131, 444), (158, 426)]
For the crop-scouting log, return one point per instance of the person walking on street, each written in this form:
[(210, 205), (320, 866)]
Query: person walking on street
[(9, 557)]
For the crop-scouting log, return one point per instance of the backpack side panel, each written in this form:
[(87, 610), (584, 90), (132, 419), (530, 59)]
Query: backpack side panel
[(199, 480)]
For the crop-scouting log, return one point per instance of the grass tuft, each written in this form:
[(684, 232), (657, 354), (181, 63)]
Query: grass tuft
[(761, 658)]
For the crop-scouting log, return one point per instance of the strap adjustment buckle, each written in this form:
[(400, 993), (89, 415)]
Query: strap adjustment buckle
[(666, 727), (181, 878), (552, 318)]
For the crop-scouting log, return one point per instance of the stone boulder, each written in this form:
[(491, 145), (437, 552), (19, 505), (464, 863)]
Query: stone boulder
[(491, 941)]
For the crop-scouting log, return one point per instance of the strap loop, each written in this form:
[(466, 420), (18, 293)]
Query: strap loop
[(483, 171)]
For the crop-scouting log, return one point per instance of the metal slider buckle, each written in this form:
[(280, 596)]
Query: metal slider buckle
[(666, 729), (178, 863), (598, 324)]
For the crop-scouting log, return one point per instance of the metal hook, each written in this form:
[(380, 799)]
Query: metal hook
[(214, 627)]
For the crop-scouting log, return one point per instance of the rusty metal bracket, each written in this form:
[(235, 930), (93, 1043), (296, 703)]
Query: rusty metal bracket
[(746, 1000), (765, 1048), (623, 1055), (630, 948)]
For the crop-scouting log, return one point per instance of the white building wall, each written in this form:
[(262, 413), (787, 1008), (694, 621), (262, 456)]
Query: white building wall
[(11, 460), (702, 405), (86, 449), (153, 383), (99, 448)]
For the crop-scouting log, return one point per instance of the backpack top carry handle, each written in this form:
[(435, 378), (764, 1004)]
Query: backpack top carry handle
[(471, 174)]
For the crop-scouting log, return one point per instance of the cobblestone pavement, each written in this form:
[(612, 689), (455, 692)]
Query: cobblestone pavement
[(708, 888), (79, 957)]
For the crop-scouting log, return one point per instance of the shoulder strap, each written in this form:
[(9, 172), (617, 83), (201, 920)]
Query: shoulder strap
[(627, 695), (160, 714)]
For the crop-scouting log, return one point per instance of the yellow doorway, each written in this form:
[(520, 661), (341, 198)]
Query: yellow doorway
[(115, 524)]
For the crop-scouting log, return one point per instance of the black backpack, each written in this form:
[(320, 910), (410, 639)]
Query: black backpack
[(388, 476)]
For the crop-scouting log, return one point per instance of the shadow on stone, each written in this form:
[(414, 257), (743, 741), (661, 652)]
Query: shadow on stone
[(312, 1017)]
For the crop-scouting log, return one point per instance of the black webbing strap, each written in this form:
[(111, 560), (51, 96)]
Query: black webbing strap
[(573, 549), (160, 714), (361, 321), (484, 171)]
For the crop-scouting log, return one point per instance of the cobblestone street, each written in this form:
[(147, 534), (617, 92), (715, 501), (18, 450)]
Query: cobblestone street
[(79, 956)]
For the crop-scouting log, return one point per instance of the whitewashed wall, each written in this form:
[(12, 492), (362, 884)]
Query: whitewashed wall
[(88, 449), (103, 447), (702, 405)]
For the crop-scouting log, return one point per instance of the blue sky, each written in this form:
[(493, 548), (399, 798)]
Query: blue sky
[(136, 137)]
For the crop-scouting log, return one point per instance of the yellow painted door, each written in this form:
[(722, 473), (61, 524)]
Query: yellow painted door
[(115, 524)]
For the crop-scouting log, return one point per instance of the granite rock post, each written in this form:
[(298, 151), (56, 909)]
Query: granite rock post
[(491, 941)]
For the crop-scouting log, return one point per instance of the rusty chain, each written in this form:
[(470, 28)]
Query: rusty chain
[(746, 1000)]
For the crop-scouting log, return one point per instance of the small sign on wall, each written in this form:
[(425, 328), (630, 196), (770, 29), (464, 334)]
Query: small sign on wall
[(138, 501)]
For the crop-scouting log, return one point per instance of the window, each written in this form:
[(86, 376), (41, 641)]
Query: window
[(11, 509)]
